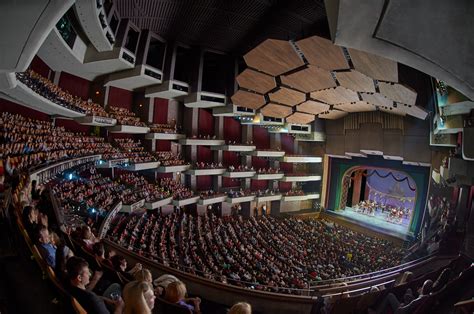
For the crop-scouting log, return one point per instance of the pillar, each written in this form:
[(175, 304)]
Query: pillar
[(356, 188)]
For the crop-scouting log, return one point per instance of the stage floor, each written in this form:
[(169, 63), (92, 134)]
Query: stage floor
[(378, 222)]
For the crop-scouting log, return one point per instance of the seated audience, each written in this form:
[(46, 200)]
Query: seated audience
[(46, 248), (176, 293), (138, 297), (241, 308)]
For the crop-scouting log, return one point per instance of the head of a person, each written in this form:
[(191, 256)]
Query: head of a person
[(54, 238), (407, 277), (78, 271), (175, 291), (86, 233), (43, 235), (138, 297), (98, 249), (241, 308), (143, 275), (427, 286), (119, 262)]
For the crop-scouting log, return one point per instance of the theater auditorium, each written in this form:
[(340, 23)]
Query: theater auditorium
[(237, 156)]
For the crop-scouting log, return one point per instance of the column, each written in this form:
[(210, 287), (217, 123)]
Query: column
[(194, 128), (218, 154), (356, 188), (275, 141)]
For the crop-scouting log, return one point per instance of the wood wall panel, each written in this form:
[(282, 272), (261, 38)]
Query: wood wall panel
[(333, 96), (374, 66), (276, 111), (287, 96), (309, 80), (323, 53), (256, 81), (356, 81), (248, 100)]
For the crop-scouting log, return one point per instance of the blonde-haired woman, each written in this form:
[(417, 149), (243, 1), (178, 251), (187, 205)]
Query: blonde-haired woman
[(176, 293), (241, 308), (138, 297), (143, 274)]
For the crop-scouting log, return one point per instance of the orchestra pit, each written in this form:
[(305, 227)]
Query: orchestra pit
[(251, 156)]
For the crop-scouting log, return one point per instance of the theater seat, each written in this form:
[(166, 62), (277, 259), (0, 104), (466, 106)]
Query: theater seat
[(77, 307)]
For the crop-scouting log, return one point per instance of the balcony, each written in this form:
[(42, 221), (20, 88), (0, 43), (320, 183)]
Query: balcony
[(111, 163), (205, 100), (142, 166), (128, 129), (206, 172), (201, 142), (159, 203), (168, 90), (186, 201), (172, 169), (310, 196), (301, 159), (241, 199), (29, 98), (268, 176), (164, 136), (238, 174), (130, 208), (266, 153), (96, 121), (219, 198), (235, 148), (268, 198), (300, 178), (138, 77)]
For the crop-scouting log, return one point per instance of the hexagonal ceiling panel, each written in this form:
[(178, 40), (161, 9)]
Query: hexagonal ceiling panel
[(286, 96), (398, 92), (377, 99), (323, 53), (358, 106), (374, 66), (332, 115), (256, 81), (312, 107), (309, 80), (274, 57), (248, 99), (276, 111), (300, 118), (334, 96), (356, 81)]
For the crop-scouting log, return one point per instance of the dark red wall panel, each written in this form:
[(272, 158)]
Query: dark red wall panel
[(258, 162), (230, 183), (204, 154), (258, 185), (160, 114), (205, 123), (232, 130), (287, 142), (230, 158), (120, 98), (284, 186), (286, 167), (40, 67), (261, 138), (75, 85), (162, 145), (12, 107), (203, 183)]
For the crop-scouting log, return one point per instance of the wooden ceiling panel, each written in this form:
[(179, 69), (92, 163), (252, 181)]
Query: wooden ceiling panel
[(276, 111), (377, 99), (323, 53), (310, 79), (274, 57), (356, 81), (398, 92), (256, 81), (374, 66), (334, 96), (248, 99), (287, 96), (312, 107), (358, 106), (333, 115), (392, 110), (300, 118)]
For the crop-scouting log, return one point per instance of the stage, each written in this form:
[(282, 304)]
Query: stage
[(377, 222)]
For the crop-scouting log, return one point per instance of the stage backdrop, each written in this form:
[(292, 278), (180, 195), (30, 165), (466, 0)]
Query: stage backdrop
[(420, 176)]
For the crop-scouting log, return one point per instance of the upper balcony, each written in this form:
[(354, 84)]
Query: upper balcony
[(93, 19), (206, 171), (270, 153), (201, 141), (158, 203), (305, 197), (301, 159), (128, 129), (300, 177), (235, 147)]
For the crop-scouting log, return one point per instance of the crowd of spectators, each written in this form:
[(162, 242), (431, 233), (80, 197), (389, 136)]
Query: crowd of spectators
[(240, 144), (143, 188), (26, 142), (208, 165), (170, 128), (267, 192), (265, 253), (133, 150), (167, 158), (176, 188), (204, 137), (240, 168), (268, 170), (240, 193), (125, 116), (210, 194), (294, 192), (54, 93)]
